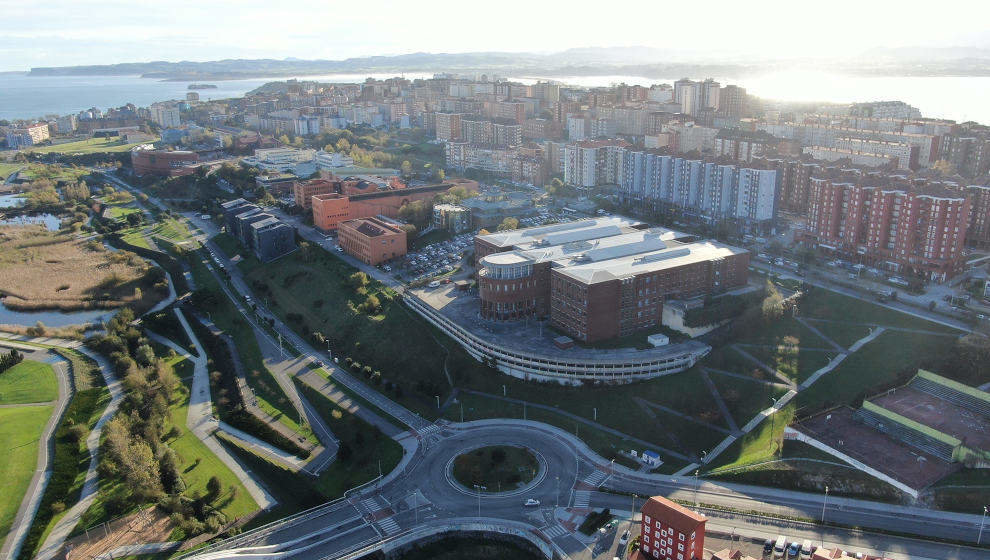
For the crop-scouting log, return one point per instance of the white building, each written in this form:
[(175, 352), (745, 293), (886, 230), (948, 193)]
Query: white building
[(330, 160), (279, 159), (166, 115)]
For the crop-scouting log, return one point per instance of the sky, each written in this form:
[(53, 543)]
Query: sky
[(74, 32)]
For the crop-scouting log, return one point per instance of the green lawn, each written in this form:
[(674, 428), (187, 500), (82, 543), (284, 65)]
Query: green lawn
[(119, 212), (825, 304), (135, 236), (28, 382), (69, 465), (888, 357), (198, 464), (796, 364), (20, 433), (7, 168), (744, 399), (313, 295), (230, 246), (844, 334), (171, 229), (89, 146), (85, 372), (369, 448), (496, 467), (761, 444), (53, 173)]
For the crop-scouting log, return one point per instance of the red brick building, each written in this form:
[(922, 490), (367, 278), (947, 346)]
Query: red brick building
[(885, 226), (160, 162), (372, 240), (330, 209), (599, 278), (669, 531)]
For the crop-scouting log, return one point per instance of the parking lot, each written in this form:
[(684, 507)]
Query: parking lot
[(435, 259)]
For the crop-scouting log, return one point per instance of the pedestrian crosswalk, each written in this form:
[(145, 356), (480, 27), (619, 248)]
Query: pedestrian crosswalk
[(555, 530), (371, 504), (389, 526), (428, 430), (595, 478), (582, 498)]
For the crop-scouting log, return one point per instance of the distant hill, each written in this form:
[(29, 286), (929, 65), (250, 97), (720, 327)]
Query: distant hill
[(639, 61)]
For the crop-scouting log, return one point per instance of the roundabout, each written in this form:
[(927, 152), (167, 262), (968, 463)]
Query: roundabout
[(504, 470)]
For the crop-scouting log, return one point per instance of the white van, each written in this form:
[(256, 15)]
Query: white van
[(780, 546), (806, 550)]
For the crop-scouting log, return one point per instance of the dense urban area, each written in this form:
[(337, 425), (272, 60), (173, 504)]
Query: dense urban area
[(401, 317)]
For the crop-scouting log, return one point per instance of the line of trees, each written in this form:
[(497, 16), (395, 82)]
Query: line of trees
[(135, 450), (10, 359)]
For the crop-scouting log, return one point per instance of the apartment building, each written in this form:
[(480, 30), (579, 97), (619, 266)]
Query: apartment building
[(865, 159), (978, 232), (710, 188), (744, 145), (670, 531), (600, 278), (969, 155), (165, 115), (27, 136), (886, 226), (372, 240), (448, 126), (593, 162)]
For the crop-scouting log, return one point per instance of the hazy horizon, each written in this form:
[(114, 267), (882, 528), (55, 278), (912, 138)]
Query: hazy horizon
[(64, 33)]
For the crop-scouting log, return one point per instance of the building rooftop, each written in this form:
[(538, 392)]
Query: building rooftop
[(556, 234), (678, 516), (674, 256)]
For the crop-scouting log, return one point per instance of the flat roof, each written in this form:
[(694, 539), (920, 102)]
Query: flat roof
[(674, 256), (578, 230)]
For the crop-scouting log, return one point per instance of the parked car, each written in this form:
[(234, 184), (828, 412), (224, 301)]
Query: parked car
[(768, 547), (794, 550), (531, 502), (624, 538)]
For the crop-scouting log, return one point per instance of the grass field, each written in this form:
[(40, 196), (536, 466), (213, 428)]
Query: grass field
[(135, 236), (7, 168), (89, 146), (121, 212), (314, 295), (53, 173), (171, 229), (28, 382), (69, 465), (497, 468), (198, 464), (371, 451), (20, 432)]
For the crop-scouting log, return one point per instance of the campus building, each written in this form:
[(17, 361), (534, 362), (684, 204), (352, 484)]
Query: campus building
[(161, 162), (372, 240), (599, 278), (263, 234), (330, 209), (670, 531)]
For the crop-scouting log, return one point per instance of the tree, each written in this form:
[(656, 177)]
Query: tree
[(358, 279), (344, 452), (507, 224), (406, 168), (343, 146), (144, 354), (441, 175), (213, 488)]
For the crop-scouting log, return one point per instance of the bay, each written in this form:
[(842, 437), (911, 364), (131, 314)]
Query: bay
[(961, 98)]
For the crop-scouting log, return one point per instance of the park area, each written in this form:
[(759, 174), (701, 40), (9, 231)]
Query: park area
[(53, 270)]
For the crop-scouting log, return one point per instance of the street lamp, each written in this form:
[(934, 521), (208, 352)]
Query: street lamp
[(825, 503), (557, 495), (982, 520), (696, 485), (773, 402), (438, 400), (478, 488)]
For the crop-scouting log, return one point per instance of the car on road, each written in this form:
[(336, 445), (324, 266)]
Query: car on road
[(624, 538), (531, 502), (435, 284)]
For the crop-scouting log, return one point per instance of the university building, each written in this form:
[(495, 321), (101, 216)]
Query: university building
[(599, 278), (670, 531)]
